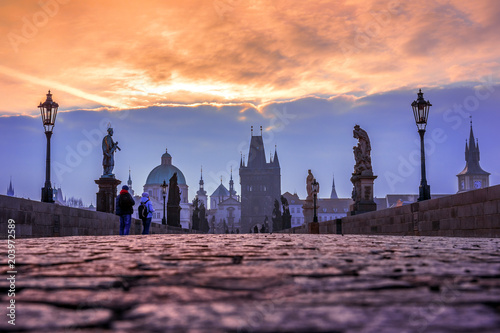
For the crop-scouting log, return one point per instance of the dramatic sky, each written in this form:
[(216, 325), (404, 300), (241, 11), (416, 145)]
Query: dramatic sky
[(193, 76)]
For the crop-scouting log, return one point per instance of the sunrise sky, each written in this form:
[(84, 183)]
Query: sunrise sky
[(193, 76)]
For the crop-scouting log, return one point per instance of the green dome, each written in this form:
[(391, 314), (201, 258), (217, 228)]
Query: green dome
[(164, 172)]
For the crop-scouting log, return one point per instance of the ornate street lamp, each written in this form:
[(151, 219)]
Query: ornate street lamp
[(48, 110), (315, 189), (421, 113), (164, 187)]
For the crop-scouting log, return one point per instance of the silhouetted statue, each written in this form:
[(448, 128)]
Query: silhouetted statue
[(173, 204), (108, 150), (195, 219), (204, 227), (309, 181), (286, 218), (277, 219), (255, 230), (362, 151)]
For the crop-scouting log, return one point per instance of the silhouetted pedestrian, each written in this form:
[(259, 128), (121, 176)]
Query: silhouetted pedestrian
[(124, 208), (148, 207)]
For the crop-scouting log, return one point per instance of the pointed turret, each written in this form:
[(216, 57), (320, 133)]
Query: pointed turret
[(276, 161), (333, 195)]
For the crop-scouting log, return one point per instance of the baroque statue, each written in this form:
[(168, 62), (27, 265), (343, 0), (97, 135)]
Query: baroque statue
[(309, 181), (362, 151), (108, 150)]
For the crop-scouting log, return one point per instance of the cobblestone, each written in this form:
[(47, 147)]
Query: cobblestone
[(255, 283)]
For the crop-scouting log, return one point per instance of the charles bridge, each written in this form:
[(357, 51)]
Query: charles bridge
[(379, 271)]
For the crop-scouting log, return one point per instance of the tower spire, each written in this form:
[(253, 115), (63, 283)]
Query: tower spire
[(231, 184), (333, 195), (10, 190)]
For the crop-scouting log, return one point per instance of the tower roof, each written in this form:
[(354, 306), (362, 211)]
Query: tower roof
[(221, 191), (256, 154), (472, 166), (165, 171)]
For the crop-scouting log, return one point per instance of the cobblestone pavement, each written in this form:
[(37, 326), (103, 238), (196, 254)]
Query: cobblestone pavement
[(255, 283)]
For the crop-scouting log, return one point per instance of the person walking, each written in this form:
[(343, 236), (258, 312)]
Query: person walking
[(124, 208), (148, 207)]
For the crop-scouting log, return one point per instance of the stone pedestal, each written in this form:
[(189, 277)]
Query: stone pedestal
[(308, 210), (362, 194), (174, 216), (106, 196)]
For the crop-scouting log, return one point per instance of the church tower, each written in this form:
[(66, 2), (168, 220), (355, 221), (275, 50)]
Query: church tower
[(472, 177), (260, 185), (202, 194)]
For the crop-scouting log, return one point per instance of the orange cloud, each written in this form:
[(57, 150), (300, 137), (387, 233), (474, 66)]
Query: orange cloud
[(248, 52)]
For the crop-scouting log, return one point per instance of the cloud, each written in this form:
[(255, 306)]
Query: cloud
[(139, 54)]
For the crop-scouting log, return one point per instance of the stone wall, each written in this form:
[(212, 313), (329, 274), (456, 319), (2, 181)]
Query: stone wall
[(469, 214), (39, 219)]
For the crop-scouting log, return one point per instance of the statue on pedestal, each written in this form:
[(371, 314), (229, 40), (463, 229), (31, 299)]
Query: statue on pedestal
[(108, 149), (362, 152), (362, 177)]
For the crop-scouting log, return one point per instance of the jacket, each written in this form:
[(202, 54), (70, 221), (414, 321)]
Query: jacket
[(149, 206), (127, 203)]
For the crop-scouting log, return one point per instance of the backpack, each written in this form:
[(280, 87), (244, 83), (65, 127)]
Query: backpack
[(143, 210)]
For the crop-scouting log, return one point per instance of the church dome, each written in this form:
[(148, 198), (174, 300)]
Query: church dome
[(165, 171)]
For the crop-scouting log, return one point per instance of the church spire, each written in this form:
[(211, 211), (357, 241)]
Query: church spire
[(333, 195), (201, 194), (129, 183), (231, 185), (10, 190)]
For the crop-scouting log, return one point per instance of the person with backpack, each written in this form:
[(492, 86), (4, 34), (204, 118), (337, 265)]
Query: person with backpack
[(125, 208), (146, 213)]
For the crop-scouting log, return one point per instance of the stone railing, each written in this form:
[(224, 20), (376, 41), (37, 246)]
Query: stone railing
[(38, 219), (468, 214)]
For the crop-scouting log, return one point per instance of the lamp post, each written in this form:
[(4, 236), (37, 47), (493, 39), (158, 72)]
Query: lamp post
[(164, 191), (315, 189), (421, 112), (48, 110)]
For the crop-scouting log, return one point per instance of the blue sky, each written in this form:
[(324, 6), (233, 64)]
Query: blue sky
[(313, 133)]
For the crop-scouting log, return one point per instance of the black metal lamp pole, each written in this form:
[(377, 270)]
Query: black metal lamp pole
[(164, 190), (421, 112), (48, 110), (315, 187)]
